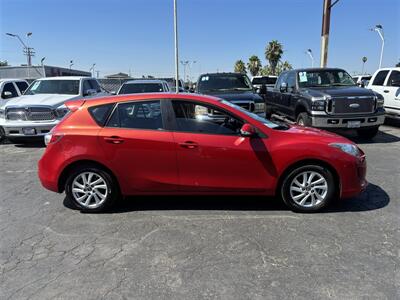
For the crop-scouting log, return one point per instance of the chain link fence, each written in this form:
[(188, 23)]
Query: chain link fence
[(112, 84)]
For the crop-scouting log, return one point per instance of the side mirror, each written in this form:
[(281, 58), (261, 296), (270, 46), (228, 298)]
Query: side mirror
[(247, 130), (7, 95), (90, 92), (262, 90), (395, 83), (113, 92), (283, 87), (363, 83)]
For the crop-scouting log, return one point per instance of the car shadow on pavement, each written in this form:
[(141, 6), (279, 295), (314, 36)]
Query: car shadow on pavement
[(28, 144), (373, 198), (382, 137)]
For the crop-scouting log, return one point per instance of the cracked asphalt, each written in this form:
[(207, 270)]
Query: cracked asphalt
[(200, 248)]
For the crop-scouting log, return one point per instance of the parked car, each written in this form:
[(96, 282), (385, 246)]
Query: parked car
[(362, 80), (387, 83), (11, 88), (233, 87), (326, 98), (172, 84), (148, 144), (144, 86), (42, 106), (268, 81)]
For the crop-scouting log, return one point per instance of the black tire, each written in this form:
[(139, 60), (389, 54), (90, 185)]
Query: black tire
[(268, 112), (111, 184), (303, 119), (368, 133), (2, 134), (330, 195)]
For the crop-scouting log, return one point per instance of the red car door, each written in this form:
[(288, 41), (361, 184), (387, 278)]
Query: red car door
[(212, 156), (139, 149)]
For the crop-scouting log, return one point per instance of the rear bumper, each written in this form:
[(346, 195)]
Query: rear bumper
[(342, 121)]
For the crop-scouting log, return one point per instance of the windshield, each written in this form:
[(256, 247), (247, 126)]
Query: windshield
[(222, 82), (266, 122), (133, 88), (64, 87), (323, 78), (264, 80)]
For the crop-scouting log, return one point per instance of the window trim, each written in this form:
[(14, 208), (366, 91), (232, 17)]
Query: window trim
[(163, 115), (174, 124)]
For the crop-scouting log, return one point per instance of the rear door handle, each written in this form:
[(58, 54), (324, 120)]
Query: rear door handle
[(114, 140), (188, 145)]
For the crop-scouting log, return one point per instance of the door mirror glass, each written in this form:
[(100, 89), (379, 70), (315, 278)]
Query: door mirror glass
[(283, 87), (247, 130), (7, 95), (90, 92)]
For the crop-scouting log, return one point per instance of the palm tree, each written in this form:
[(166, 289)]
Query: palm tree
[(240, 67), (254, 65), (286, 66), (273, 53)]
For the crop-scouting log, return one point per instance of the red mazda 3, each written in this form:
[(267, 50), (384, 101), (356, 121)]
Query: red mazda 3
[(149, 144)]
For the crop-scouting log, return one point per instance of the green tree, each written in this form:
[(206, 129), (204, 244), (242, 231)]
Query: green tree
[(254, 65), (240, 67), (3, 63), (273, 53)]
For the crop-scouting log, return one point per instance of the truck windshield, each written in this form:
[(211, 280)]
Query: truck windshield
[(133, 88), (224, 82), (266, 122), (323, 78), (264, 80), (65, 87)]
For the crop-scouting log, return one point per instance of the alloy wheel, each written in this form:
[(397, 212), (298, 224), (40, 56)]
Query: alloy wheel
[(309, 189), (89, 189)]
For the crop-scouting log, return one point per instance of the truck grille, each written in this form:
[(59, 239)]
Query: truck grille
[(30, 114), (351, 105)]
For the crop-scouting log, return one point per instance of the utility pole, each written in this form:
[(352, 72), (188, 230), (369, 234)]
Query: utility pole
[(176, 47), (326, 20)]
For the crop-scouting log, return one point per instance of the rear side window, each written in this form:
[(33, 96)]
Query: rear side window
[(394, 77), (22, 86), (137, 115), (100, 113), (380, 78)]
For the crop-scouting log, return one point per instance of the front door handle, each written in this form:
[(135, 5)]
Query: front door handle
[(114, 139), (188, 145), (386, 91)]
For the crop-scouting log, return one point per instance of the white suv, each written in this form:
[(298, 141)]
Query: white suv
[(386, 82), (42, 107)]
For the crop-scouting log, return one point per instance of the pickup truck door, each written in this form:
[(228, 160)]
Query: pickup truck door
[(391, 92), (377, 83), (289, 96)]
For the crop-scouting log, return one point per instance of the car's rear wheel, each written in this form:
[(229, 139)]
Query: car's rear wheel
[(303, 119), (308, 188), (368, 133), (91, 189), (2, 134)]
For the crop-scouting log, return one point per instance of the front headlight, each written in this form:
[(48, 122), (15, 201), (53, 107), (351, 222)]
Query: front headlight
[(61, 111), (259, 107), (379, 102), (318, 105), (347, 148)]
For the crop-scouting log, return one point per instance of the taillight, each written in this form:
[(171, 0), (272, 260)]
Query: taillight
[(52, 138)]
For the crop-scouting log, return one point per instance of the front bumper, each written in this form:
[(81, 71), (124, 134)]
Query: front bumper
[(354, 181), (27, 129), (346, 121)]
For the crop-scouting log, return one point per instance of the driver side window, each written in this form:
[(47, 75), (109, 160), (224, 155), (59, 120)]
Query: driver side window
[(200, 118)]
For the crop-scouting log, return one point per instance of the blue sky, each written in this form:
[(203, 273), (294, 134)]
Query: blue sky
[(137, 35)]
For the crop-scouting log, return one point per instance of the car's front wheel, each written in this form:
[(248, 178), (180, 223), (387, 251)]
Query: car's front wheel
[(91, 189), (308, 188)]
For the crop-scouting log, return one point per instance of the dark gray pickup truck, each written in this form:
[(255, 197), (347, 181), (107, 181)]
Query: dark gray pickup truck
[(326, 98)]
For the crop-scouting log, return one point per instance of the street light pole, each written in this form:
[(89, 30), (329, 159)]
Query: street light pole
[(176, 47), (309, 52), (43, 69), (379, 29), (92, 70)]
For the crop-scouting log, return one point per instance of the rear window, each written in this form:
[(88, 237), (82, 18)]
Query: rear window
[(264, 80), (133, 88), (100, 113)]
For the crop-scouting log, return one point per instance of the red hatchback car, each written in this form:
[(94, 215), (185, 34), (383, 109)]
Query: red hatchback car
[(195, 145)]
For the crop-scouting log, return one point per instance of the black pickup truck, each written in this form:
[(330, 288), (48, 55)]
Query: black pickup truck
[(233, 87), (326, 98)]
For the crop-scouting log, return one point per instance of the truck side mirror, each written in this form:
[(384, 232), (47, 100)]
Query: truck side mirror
[(283, 87), (7, 95), (262, 90)]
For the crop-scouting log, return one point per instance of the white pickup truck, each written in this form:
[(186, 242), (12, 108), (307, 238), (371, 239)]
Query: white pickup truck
[(386, 82), (42, 106)]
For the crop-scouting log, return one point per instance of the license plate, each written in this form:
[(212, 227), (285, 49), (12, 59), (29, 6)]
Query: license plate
[(29, 131), (353, 124)]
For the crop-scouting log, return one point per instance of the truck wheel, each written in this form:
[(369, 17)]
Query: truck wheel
[(303, 120), (2, 134), (308, 188), (368, 133)]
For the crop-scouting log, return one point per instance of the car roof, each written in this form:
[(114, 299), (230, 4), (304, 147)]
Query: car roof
[(221, 73), (148, 96), (141, 81), (66, 78), (265, 76), (316, 69)]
